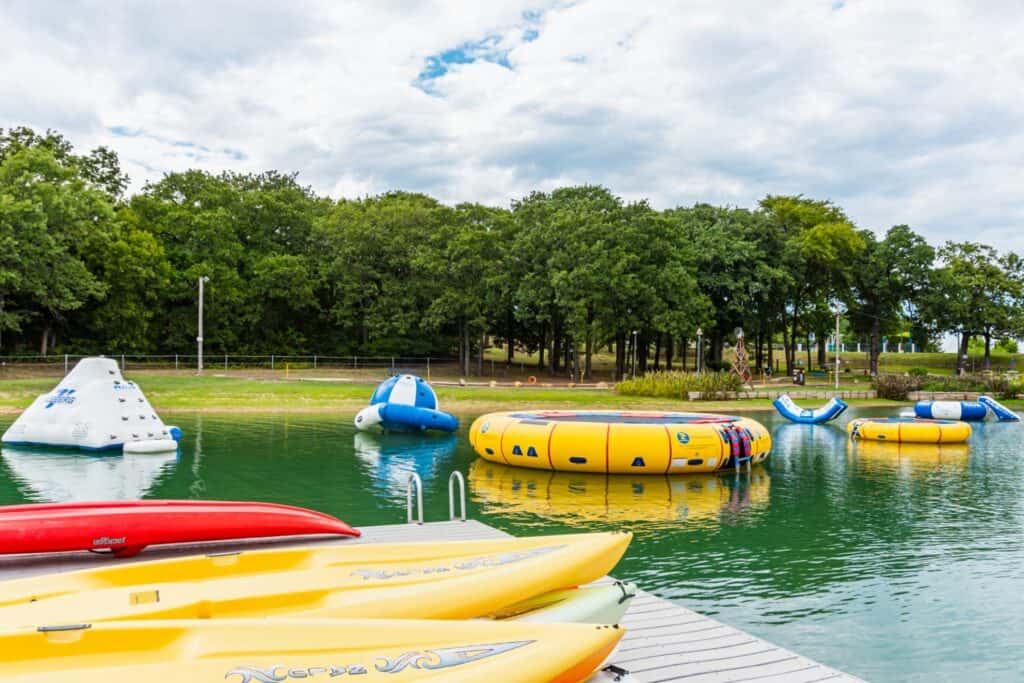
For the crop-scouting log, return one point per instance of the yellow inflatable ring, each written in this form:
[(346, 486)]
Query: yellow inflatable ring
[(909, 429), (619, 442)]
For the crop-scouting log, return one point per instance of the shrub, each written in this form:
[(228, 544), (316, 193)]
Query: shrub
[(896, 387), (918, 372), (677, 385)]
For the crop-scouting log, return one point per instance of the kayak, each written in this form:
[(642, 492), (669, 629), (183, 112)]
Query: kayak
[(453, 580), (258, 650), (126, 527), (604, 604)]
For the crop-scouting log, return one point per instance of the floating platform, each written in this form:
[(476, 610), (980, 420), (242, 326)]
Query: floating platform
[(619, 442), (663, 642)]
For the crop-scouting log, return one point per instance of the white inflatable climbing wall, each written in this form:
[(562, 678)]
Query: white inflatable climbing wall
[(93, 408)]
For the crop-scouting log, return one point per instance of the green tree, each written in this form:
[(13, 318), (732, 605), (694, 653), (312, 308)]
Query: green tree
[(886, 283), (49, 216), (818, 247)]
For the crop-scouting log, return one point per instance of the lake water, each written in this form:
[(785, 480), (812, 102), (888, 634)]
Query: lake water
[(891, 562)]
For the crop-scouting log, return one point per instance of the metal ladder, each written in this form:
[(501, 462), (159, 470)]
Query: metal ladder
[(414, 489)]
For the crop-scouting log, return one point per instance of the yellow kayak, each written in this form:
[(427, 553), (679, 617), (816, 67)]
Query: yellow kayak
[(260, 651), (453, 580)]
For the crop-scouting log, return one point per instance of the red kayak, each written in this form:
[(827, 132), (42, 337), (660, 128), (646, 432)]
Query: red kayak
[(126, 527)]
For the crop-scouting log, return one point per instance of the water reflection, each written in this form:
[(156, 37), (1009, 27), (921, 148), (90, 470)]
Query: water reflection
[(390, 457), (62, 476), (908, 458), (793, 438), (573, 498)]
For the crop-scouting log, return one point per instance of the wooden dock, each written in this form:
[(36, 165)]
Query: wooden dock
[(664, 641)]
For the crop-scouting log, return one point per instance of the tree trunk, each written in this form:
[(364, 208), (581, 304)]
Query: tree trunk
[(509, 337), (668, 352), (771, 349), (822, 358), (543, 347), (684, 344), (759, 350), (657, 352), (961, 356), (480, 358), (465, 339), (988, 349), (643, 349), (874, 341), (620, 355), (808, 340), (45, 339), (589, 354)]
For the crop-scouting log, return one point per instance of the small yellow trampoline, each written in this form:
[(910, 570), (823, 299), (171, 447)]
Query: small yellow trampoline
[(619, 442), (909, 430)]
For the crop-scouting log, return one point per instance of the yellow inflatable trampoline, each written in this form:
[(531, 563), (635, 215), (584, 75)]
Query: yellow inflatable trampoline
[(909, 429), (619, 442)]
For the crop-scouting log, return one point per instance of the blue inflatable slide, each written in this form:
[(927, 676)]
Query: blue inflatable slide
[(791, 411)]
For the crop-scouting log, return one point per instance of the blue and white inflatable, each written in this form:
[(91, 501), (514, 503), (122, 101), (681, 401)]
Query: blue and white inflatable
[(791, 411), (94, 408), (403, 404), (968, 411), (1002, 413)]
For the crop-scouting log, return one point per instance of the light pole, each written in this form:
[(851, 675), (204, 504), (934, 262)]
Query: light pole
[(837, 350), (633, 371), (700, 349), (199, 337)]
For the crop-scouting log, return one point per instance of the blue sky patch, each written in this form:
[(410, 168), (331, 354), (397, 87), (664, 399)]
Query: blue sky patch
[(488, 49)]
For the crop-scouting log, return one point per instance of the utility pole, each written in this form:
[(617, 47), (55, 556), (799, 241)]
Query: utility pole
[(199, 337)]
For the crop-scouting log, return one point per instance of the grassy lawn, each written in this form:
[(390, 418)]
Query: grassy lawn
[(178, 392)]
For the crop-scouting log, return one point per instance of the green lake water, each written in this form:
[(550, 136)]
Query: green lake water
[(890, 562)]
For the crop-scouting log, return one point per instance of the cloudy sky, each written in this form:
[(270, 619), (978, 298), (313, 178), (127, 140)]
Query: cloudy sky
[(901, 112)]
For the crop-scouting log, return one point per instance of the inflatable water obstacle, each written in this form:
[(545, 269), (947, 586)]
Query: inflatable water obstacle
[(912, 429), (791, 411), (969, 411), (1002, 413), (405, 403), (94, 408), (619, 442)]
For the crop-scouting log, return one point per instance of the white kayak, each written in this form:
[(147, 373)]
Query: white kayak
[(602, 604)]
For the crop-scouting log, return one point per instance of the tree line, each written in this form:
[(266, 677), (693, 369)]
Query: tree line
[(86, 269)]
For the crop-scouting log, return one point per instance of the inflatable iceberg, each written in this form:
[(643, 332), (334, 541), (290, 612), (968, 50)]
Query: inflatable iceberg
[(791, 411), (405, 403), (95, 409)]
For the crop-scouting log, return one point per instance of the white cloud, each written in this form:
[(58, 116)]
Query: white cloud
[(901, 112)]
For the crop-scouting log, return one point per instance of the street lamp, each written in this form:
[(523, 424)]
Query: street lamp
[(199, 337), (700, 349), (633, 371), (837, 349)]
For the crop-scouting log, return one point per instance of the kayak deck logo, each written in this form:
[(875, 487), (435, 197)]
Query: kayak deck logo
[(63, 396), (433, 659), (497, 560)]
